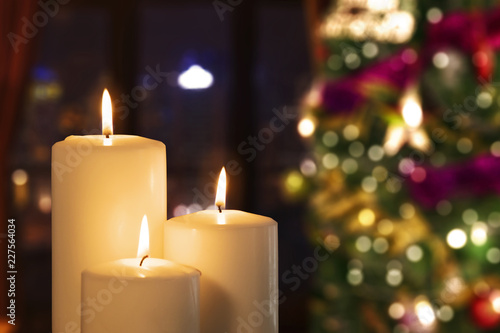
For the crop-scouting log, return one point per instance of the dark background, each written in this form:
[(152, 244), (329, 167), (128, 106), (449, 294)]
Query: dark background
[(259, 55)]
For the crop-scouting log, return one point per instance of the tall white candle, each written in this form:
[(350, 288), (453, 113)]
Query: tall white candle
[(101, 188), (140, 295), (237, 255)]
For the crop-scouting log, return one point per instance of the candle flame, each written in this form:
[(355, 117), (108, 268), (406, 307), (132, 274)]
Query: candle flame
[(143, 248), (220, 198), (107, 114), (412, 112)]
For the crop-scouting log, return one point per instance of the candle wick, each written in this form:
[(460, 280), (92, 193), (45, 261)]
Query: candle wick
[(220, 210), (107, 136), (146, 256)]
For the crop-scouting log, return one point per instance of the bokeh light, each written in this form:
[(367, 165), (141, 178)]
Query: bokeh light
[(456, 238)]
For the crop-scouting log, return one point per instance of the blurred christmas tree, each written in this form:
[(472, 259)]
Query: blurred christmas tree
[(404, 174)]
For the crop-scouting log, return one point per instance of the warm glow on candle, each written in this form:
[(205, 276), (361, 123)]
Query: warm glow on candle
[(412, 112), (143, 248), (220, 199), (107, 114)]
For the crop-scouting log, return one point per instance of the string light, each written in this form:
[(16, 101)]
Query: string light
[(409, 56), (19, 177), (414, 253), (363, 244), (456, 238), (470, 216), (418, 175), (412, 112), (495, 148), (45, 203), (380, 245), (445, 313), (464, 145), (349, 166), (356, 149), (393, 185), (331, 242), (382, 5), (385, 227), (484, 100), (351, 132), (306, 127), (366, 217), (394, 277), (396, 310), (334, 62), (376, 153), (380, 173), (493, 255), (330, 161), (407, 210), (441, 60), (494, 219), (370, 50), (369, 184), (479, 233), (394, 26), (425, 313), (355, 276), (308, 167), (330, 139), (406, 166), (294, 182), (352, 61)]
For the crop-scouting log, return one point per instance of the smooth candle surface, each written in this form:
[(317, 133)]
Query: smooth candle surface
[(237, 254), (101, 189), (157, 297)]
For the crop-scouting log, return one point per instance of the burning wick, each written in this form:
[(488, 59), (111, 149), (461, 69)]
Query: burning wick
[(146, 256)]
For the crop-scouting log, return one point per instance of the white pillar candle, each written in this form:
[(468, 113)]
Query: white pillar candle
[(237, 255), (101, 188), (156, 296)]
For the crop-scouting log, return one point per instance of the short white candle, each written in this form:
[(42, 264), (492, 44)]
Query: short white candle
[(155, 297), (237, 255), (101, 188)]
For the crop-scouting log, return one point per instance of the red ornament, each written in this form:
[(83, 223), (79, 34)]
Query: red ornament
[(484, 60), (483, 313)]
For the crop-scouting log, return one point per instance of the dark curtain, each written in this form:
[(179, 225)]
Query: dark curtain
[(18, 41)]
